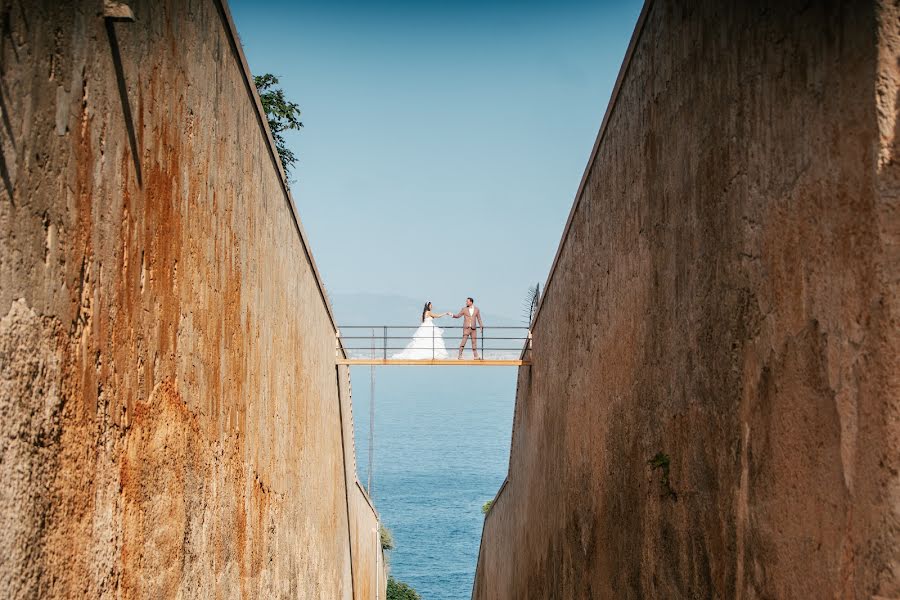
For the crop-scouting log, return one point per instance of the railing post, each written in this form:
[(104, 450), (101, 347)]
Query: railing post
[(432, 340), (384, 339), (482, 342)]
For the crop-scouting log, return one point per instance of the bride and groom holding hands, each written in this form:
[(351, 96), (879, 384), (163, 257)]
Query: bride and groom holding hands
[(428, 340)]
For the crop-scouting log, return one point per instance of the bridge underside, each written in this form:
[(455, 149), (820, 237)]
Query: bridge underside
[(432, 363)]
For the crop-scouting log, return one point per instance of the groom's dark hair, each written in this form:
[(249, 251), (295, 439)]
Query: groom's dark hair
[(471, 299)]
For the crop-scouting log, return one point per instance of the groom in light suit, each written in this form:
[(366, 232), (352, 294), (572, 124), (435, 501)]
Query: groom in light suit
[(470, 314)]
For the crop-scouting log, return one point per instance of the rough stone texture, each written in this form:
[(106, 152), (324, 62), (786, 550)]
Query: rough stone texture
[(170, 416), (726, 294)]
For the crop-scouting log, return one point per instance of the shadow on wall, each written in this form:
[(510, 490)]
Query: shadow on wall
[(123, 91)]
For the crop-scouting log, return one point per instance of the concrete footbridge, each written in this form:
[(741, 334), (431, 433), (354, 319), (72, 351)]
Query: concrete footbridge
[(384, 345)]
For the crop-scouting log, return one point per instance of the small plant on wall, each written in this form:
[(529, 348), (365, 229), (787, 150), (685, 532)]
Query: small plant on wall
[(486, 507), (387, 538), (661, 462)]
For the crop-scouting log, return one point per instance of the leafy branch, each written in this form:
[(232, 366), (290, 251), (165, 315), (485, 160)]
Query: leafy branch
[(282, 114)]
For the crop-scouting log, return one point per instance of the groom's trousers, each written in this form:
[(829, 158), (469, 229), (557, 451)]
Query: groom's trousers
[(469, 332)]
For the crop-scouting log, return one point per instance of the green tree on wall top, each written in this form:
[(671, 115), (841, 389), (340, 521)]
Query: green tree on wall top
[(281, 113)]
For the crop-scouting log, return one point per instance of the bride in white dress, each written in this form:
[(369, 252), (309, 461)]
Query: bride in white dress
[(428, 340)]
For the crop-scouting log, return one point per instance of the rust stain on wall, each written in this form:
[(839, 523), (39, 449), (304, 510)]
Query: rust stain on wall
[(158, 469), (167, 363)]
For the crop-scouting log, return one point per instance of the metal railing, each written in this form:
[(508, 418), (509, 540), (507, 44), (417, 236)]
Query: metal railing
[(401, 341)]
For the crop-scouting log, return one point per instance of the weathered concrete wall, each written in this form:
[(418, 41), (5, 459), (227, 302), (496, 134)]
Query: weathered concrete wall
[(370, 577), (170, 421), (369, 569), (726, 293)]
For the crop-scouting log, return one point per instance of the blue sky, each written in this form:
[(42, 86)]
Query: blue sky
[(443, 142)]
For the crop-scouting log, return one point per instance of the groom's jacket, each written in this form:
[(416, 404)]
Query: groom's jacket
[(470, 319)]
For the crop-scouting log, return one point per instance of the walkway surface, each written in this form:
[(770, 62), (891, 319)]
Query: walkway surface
[(467, 362)]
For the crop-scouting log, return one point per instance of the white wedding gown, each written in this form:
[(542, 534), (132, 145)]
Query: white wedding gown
[(427, 343)]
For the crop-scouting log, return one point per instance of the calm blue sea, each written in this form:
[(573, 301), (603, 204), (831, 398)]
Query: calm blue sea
[(441, 451)]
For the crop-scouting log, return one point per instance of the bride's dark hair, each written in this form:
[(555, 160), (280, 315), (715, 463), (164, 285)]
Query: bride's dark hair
[(425, 310)]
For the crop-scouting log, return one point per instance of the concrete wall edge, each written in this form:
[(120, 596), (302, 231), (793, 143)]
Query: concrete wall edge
[(231, 30), (483, 525), (366, 497), (623, 71)]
